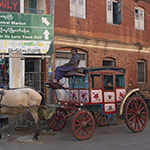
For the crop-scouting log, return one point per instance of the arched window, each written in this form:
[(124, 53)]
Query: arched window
[(109, 62)]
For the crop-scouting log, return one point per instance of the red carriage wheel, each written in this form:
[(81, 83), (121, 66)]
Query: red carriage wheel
[(57, 122), (136, 114), (100, 119), (83, 124)]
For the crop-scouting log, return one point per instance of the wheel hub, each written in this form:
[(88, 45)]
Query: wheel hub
[(83, 124), (138, 113)]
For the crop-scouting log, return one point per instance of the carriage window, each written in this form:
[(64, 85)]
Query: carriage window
[(77, 82), (96, 81), (120, 81), (108, 82)]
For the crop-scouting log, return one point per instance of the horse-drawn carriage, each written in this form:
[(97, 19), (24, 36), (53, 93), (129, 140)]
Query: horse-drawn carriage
[(96, 95)]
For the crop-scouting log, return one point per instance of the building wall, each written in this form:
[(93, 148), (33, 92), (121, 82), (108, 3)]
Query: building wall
[(101, 40), (95, 25), (123, 59)]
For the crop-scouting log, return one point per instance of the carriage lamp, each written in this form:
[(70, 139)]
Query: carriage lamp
[(47, 86), (81, 104)]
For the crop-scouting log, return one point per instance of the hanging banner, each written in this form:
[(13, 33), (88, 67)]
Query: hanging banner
[(25, 33)]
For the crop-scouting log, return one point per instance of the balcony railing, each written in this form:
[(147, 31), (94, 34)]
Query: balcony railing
[(33, 11)]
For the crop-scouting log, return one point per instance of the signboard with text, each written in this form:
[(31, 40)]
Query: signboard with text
[(25, 33), (10, 5)]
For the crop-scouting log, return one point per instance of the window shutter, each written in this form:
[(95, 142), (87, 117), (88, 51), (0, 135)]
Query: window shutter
[(119, 11), (80, 9), (72, 8), (115, 12), (141, 71), (109, 11), (136, 16), (141, 19)]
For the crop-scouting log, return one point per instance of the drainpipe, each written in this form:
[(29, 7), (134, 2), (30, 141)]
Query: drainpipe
[(51, 59)]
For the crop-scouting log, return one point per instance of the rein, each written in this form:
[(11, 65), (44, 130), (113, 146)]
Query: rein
[(1, 96)]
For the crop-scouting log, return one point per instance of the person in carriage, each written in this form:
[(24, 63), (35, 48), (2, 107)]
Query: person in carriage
[(70, 66)]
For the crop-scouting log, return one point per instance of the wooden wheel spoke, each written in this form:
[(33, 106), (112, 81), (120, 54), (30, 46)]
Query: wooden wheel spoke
[(86, 117), (83, 131), (86, 131), (135, 103), (82, 116), (77, 125), (84, 127), (130, 110), (137, 123), (53, 121), (141, 120), (132, 121), (57, 122), (88, 120), (60, 123), (78, 121), (97, 116), (133, 108), (78, 129), (140, 106), (136, 113), (143, 113), (89, 128), (102, 119), (132, 117), (131, 113), (90, 124)]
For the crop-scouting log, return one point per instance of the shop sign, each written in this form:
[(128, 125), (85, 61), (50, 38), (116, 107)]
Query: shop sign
[(50, 70), (10, 5), (25, 33)]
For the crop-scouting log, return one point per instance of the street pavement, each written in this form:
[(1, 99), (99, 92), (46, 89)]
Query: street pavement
[(113, 137)]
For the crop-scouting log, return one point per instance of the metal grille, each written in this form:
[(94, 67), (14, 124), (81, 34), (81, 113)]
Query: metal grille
[(35, 80), (33, 11)]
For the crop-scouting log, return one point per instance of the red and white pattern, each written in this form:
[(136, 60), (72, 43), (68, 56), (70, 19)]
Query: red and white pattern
[(120, 94), (109, 107), (96, 96), (84, 96), (74, 94), (109, 97)]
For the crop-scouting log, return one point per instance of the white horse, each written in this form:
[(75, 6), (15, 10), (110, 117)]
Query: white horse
[(16, 101)]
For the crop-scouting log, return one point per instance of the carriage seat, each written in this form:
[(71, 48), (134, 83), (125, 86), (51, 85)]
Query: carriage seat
[(78, 72), (54, 85), (57, 85)]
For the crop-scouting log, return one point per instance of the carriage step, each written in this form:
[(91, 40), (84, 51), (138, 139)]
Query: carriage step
[(110, 120)]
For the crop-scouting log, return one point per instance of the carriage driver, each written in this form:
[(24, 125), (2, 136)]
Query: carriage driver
[(70, 66)]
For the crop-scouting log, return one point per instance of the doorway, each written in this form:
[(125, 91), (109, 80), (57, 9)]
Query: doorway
[(34, 77)]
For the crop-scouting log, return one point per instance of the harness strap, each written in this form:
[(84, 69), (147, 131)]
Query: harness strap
[(1, 96)]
